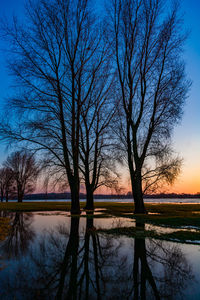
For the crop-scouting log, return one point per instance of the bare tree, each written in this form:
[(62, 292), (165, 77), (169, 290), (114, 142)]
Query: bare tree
[(6, 183), (25, 171), (54, 60), (96, 141), (152, 87)]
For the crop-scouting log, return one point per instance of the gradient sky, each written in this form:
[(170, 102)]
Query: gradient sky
[(186, 137)]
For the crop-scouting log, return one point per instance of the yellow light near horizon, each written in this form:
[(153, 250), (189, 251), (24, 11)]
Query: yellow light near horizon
[(190, 185)]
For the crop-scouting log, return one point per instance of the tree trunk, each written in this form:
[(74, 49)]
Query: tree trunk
[(75, 203), (6, 196), (19, 194), (20, 199), (1, 195), (90, 198), (136, 177), (137, 193)]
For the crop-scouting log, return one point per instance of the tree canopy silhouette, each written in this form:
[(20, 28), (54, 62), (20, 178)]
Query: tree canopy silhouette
[(148, 39), (56, 59), (72, 74), (24, 170)]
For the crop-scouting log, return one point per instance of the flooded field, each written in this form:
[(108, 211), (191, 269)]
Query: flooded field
[(49, 255)]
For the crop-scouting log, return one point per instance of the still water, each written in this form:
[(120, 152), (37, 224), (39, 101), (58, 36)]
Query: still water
[(53, 256), (122, 200)]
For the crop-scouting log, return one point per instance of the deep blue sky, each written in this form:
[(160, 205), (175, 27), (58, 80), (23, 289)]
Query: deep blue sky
[(186, 137)]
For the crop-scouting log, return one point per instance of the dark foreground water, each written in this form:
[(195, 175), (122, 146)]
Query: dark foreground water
[(53, 256)]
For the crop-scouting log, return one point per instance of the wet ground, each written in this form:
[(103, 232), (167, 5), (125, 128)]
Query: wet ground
[(49, 255)]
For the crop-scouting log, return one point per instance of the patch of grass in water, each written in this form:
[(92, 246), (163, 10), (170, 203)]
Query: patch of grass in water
[(129, 231), (170, 221), (182, 236)]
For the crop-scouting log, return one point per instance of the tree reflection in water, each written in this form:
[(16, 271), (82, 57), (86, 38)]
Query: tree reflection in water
[(91, 265), (20, 234), (160, 271), (74, 262)]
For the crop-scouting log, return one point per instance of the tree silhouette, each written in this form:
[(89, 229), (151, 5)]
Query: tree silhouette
[(56, 60), (152, 86), (24, 170), (6, 183), (96, 156)]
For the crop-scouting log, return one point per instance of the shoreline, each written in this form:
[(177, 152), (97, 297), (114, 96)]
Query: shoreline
[(65, 205), (166, 215)]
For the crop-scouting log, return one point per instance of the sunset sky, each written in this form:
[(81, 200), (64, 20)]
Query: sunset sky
[(186, 137)]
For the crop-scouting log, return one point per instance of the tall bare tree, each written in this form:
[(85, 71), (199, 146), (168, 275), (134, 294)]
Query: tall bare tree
[(96, 141), (147, 42), (6, 183), (25, 171), (54, 60)]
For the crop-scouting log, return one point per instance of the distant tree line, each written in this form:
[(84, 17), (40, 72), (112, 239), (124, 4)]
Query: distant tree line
[(55, 196), (93, 91)]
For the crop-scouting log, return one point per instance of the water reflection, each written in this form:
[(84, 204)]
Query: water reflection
[(20, 234), (68, 263), (166, 282)]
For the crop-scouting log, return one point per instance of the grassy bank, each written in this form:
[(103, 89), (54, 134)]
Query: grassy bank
[(170, 214), (35, 206)]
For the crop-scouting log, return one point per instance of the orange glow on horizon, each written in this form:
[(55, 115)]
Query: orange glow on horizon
[(187, 183)]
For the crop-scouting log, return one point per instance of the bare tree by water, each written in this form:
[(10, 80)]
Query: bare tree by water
[(6, 183), (147, 43), (54, 60), (62, 106), (96, 140), (25, 171)]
